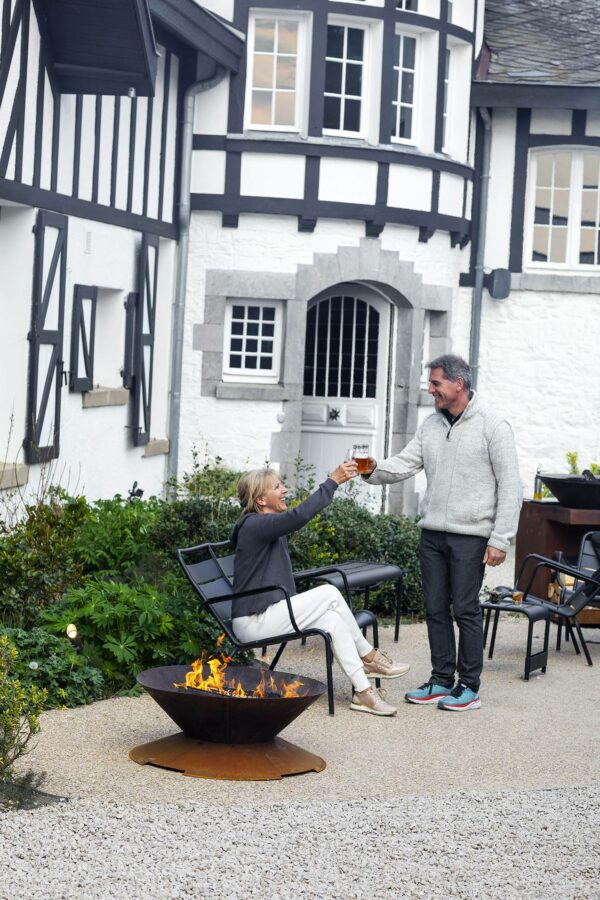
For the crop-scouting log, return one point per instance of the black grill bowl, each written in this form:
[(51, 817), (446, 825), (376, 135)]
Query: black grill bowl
[(574, 491), (222, 719)]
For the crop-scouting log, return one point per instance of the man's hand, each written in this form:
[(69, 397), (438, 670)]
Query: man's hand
[(493, 557), (371, 466)]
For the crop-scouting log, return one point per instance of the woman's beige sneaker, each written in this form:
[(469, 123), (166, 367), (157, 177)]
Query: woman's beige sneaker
[(371, 701), (383, 666)]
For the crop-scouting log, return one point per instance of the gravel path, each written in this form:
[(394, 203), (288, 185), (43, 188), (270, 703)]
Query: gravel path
[(498, 803)]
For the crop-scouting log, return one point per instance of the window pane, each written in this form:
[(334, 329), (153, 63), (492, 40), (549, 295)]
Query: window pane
[(544, 170), (266, 362), (261, 107), (285, 108), (355, 43), (352, 115), (589, 208), (543, 200), (250, 362), (408, 83), (591, 162), (333, 77), (254, 312), (235, 362), (268, 330), (268, 313), (286, 72), (287, 37), (562, 170), (236, 344), (251, 345), (540, 244), (263, 71), (237, 328), (408, 56), (266, 346), (587, 247), (405, 129), (264, 34), (354, 80), (558, 245), (331, 114), (335, 41), (560, 211), (252, 328), (238, 312)]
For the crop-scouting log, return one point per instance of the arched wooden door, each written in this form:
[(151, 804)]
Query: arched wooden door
[(346, 374)]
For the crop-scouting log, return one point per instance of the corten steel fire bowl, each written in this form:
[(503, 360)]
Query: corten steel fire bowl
[(224, 736)]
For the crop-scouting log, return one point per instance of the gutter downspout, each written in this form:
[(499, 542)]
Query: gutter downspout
[(184, 213), (481, 232)]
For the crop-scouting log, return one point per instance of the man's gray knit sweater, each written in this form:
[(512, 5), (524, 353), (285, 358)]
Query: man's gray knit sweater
[(473, 482), (261, 551)]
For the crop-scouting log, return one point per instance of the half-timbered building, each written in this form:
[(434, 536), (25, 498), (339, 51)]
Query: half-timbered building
[(91, 101)]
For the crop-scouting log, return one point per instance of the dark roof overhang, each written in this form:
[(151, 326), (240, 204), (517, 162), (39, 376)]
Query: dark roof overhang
[(104, 47), (201, 30), (535, 96)]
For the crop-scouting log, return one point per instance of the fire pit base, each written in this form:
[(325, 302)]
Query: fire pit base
[(229, 762)]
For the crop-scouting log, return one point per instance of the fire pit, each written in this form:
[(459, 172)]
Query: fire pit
[(229, 727)]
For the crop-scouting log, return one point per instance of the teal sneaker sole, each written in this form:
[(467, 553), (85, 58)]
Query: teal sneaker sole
[(460, 707)]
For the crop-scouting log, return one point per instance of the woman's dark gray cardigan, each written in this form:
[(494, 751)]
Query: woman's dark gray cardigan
[(261, 550)]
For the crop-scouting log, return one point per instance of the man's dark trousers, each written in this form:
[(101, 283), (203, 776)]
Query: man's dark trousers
[(452, 572)]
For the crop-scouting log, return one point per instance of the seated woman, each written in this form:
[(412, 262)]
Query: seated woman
[(262, 558)]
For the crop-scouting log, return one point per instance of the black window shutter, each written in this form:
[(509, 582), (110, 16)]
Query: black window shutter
[(127, 372), (81, 375), (46, 365), (143, 351)]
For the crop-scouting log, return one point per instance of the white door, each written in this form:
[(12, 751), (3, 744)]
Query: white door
[(346, 369)]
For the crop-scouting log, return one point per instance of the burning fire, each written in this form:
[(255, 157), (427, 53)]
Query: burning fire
[(216, 682)]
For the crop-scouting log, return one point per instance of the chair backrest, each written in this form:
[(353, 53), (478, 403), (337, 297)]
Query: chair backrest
[(585, 593), (209, 578), (589, 551)]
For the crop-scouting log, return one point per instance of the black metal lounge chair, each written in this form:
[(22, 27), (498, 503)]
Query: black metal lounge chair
[(209, 570)]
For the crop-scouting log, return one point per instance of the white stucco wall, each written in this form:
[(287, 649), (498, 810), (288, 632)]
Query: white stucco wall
[(240, 430), (539, 365), (96, 455)]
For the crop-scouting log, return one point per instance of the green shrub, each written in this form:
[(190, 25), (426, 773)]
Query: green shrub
[(20, 708), (38, 562), (50, 662), (126, 628), (114, 537)]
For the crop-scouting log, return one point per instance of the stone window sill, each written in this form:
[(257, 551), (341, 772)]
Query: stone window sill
[(156, 447), (13, 475), (104, 396), (227, 390), (555, 282)]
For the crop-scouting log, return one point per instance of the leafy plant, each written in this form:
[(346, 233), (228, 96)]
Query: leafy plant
[(37, 557), (114, 537), (126, 628), (20, 708), (48, 661)]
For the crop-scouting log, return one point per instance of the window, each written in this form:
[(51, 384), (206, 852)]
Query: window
[(408, 5), (446, 99), (273, 85), (405, 68), (252, 348), (565, 208), (344, 80), (340, 357)]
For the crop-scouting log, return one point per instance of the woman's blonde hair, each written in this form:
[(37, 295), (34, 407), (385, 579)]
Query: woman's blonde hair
[(253, 485)]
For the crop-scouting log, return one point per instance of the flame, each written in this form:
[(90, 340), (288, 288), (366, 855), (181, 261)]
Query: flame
[(216, 682), (220, 639)]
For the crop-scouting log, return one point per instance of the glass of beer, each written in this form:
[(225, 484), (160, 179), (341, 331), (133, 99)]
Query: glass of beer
[(360, 455), (517, 597)]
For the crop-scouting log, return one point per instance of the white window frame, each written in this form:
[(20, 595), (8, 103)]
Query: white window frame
[(413, 140), (401, 5), (571, 263), (448, 101), (247, 375), (367, 80), (302, 69)]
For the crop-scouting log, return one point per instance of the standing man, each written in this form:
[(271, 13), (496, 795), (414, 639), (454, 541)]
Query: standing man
[(469, 515)]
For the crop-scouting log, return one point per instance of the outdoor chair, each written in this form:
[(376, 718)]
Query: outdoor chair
[(209, 570), (588, 560), (535, 608)]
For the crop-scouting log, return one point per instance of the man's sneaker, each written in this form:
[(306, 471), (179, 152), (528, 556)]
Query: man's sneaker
[(383, 666), (371, 701), (460, 699), (430, 692)]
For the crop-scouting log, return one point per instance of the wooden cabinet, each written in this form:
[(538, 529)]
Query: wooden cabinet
[(544, 528)]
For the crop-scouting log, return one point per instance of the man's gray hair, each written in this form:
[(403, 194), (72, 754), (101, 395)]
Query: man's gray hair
[(454, 367)]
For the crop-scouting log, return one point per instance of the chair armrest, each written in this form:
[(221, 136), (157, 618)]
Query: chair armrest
[(545, 563)]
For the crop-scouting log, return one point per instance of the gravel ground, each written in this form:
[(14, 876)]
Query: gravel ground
[(501, 802)]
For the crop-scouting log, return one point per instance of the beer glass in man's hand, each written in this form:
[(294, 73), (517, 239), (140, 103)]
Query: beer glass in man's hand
[(360, 454)]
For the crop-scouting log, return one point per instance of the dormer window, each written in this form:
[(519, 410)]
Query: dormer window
[(564, 208)]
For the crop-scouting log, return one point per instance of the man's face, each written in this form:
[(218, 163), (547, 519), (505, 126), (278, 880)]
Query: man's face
[(445, 393)]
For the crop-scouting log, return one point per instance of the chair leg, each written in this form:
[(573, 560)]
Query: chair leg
[(570, 635), (277, 656), (546, 637), (399, 599), (558, 635), (494, 630), (329, 668), (584, 646), (486, 627), (528, 651), (375, 627), (264, 650)]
